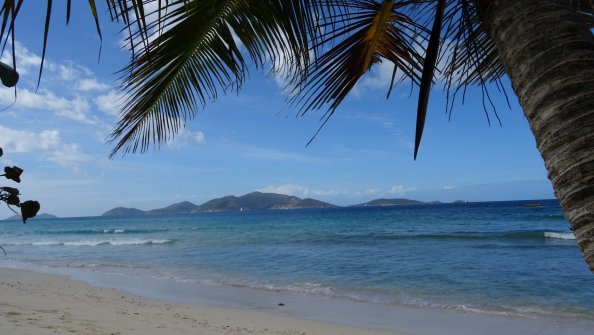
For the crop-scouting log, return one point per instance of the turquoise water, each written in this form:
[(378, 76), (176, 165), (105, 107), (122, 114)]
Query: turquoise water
[(497, 257)]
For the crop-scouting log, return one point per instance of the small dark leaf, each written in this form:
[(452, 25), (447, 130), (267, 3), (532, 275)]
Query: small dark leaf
[(29, 209), (8, 76), (13, 199), (13, 173), (11, 190), (1, 152)]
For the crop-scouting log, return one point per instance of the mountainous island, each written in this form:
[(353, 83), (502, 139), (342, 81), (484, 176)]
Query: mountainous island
[(250, 201), (254, 201), (390, 202)]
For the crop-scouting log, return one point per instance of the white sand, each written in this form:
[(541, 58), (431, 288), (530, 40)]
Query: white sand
[(35, 303)]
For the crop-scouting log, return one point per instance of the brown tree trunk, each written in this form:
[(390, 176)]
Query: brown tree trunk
[(548, 53)]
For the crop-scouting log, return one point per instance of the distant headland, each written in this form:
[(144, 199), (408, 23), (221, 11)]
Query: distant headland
[(38, 217)]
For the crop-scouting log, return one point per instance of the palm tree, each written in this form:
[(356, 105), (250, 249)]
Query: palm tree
[(184, 52), (547, 50)]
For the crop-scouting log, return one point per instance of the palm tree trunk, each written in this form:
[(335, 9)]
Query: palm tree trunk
[(548, 53)]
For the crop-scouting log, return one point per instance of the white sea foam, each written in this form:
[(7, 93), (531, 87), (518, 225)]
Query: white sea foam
[(138, 241), (43, 243), (114, 231), (464, 308), (85, 243), (301, 288), (94, 243), (562, 236)]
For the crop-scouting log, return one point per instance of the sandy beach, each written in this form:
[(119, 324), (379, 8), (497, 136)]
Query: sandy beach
[(36, 303), (40, 303)]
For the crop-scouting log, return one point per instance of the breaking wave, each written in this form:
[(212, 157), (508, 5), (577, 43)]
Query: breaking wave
[(95, 243), (562, 236)]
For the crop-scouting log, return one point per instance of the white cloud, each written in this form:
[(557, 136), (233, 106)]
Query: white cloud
[(69, 94), (298, 190), (67, 71), (304, 191), (448, 188), (185, 138), (110, 103), (76, 109), (66, 87), (288, 189), (91, 84), (48, 142), (29, 63), (400, 189), (26, 60), (198, 137), (68, 155), (20, 141), (369, 191), (378, 78)]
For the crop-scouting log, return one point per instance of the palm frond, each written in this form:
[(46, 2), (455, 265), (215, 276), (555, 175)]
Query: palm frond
[(275, 31), (48, 16), (472, 56), (176, 72), (469, 56), (93, 8), (191, 54), (357, 36), (428, 72)]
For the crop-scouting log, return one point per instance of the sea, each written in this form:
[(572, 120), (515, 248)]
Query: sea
[(514, 258)]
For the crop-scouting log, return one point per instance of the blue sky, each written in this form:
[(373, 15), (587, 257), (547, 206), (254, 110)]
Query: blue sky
[(247, 141)]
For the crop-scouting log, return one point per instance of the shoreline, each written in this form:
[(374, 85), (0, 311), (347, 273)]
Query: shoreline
[(110, 298)]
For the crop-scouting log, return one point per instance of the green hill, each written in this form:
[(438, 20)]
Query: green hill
[(259, 200), (313, 203), (123, 211), (390, 202), (180, 207), (228, 203)]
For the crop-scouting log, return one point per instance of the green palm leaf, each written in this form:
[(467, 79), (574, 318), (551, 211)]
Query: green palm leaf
[(471, 58), (359, 34), (192, 55), (428, 72)]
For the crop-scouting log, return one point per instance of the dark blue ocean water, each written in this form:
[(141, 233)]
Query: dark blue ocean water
[(495, 257)]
